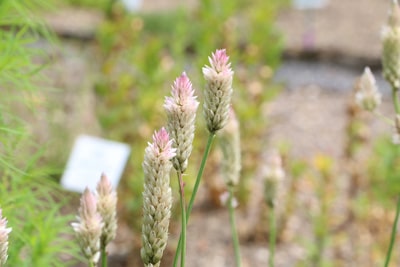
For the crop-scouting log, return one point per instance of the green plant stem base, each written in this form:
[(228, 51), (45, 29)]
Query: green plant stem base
[(183, 216), (393, 235), (235, 237), (272, 236), (103, 256)]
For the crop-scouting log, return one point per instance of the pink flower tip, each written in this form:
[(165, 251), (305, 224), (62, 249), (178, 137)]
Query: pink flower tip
[(182, 84), (161, 138), (162, 144), (182, 89), (104, 186), (88, 203), (220, 60)]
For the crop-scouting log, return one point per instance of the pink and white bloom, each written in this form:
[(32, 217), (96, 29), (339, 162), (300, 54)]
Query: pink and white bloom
[(218, 91), (181, 109), (157, 197), (107, 208), (88, 229)]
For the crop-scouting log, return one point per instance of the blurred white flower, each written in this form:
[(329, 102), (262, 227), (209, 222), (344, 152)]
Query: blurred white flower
[(368, 96)]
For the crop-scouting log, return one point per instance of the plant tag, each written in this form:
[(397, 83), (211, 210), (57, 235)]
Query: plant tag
[(90, 157), (132, 5), (309, 4)]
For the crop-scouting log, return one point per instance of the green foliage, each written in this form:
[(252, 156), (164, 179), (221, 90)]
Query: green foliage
[(384, 171), (27, 195), (28, 199), (99, 4)]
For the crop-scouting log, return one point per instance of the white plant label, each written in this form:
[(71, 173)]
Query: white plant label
[(309, 4), (132, 5), (90, 157)]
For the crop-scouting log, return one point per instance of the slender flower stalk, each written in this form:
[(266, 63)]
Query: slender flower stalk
[(195, 189), (231, 165), (107, 208), (391, 72), (391, 47), (393, 235), (157, 198), (232, 221), (273, 174), (230, 145), (218, 91), (4, 232), (183, 220), (88, 229), (181, 110), (217, 101), (272, 236)]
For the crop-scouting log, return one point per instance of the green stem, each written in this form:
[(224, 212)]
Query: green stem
[(183, 216), (393, 236), (272, 235), (196, 187), (103, 255), (395, 98), (199, 174), (91, 264), (235, 237), (384, 118)]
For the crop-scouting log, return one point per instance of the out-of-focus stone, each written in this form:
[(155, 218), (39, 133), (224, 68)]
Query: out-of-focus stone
[(343, 31), (74, 23)]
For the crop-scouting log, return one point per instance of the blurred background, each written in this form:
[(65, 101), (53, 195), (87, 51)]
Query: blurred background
[(106, 65)]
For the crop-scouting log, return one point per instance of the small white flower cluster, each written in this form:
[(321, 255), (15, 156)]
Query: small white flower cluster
[(367, 95)]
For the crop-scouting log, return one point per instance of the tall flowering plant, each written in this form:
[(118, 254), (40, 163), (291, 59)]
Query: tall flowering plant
[(368, 96), (181, 108)]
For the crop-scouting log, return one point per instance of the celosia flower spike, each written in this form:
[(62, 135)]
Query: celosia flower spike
[(181, 110), (368, 96), (157, 198), (273, 174), (88, 229), (107, 208), (391, 47), (218, 90), (4, 232), (230, 145)]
